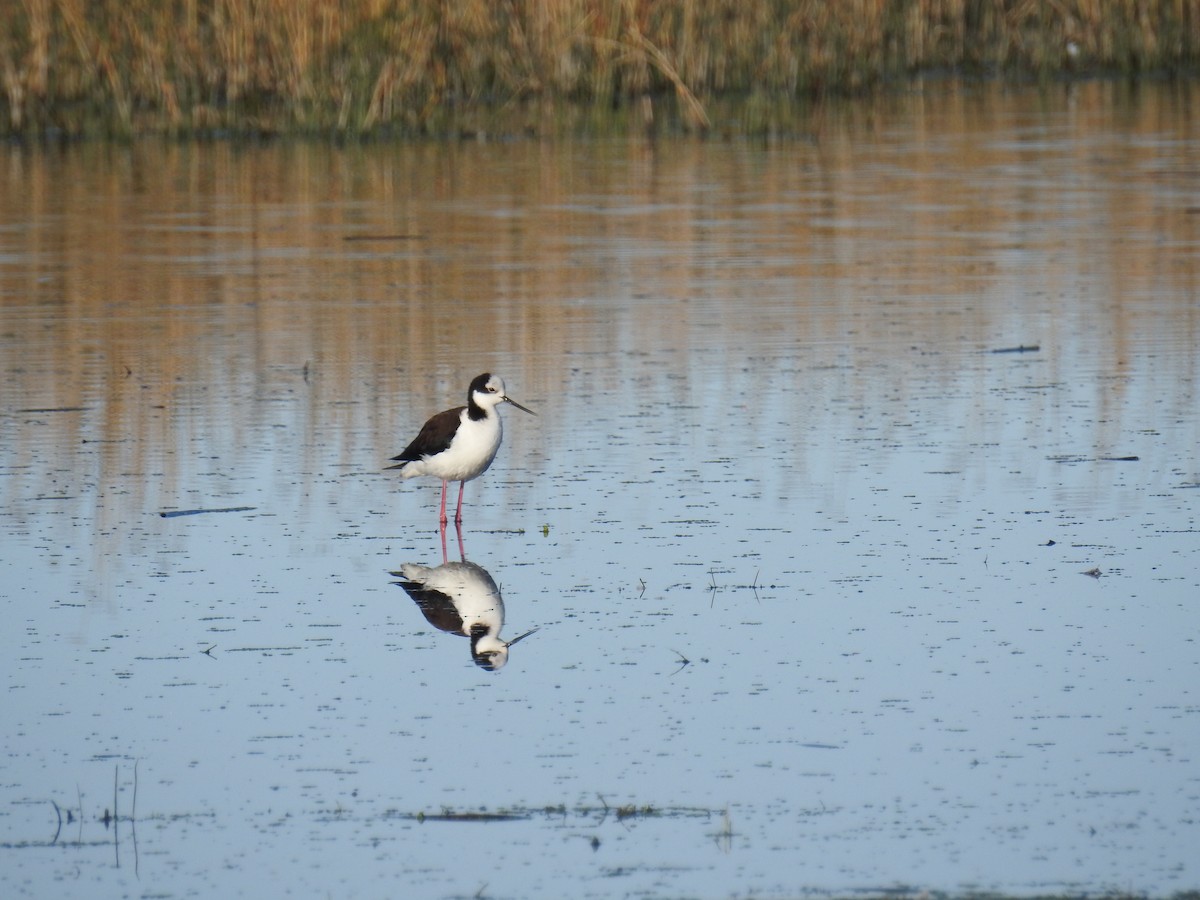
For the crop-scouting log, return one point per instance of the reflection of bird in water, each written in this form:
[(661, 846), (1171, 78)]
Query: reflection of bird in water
[(461, 598), (459, 444)]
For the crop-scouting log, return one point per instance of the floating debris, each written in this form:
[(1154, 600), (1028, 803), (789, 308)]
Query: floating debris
[(1021, 348), (175, 513), (470, 816), (1082, 459), (683, 661), (597, 813)]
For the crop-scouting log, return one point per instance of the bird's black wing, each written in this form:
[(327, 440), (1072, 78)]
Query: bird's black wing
[(437, 608), (435, 437)]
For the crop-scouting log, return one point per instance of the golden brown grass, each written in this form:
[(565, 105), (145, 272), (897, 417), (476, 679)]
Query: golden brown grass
[(417, 66)]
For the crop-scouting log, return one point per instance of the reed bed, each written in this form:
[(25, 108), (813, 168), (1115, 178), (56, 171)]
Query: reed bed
[(358, 67)]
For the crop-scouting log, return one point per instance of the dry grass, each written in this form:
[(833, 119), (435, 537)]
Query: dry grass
[(416, 66)]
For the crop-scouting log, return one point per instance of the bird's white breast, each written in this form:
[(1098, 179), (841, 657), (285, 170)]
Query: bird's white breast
[(473, 593), (470, 452)]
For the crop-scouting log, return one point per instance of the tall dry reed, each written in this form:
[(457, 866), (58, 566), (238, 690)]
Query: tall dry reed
[(355, 66)]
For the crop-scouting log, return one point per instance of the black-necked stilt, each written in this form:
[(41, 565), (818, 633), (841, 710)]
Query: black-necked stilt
[(461, 598), (459, 444)]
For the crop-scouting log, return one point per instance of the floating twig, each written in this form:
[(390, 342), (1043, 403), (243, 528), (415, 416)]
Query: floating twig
[(684, 662), (1020, 348), (712, 588), (1081, 459), (724, 837), (116, 821), (449, 815), (176, 513), (133, 822)]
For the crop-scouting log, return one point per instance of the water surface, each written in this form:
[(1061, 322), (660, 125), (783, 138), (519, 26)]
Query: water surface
[(858, 522)]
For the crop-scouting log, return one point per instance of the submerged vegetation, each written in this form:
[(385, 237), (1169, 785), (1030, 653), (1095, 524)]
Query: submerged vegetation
[(359, 67)]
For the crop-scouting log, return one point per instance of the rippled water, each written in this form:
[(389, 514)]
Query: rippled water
[(858, 523)]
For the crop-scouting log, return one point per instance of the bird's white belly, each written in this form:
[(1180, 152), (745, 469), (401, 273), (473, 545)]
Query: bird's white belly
[(467, 457)]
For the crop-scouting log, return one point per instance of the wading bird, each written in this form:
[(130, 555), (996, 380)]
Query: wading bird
[(459, 444), (462, 598)]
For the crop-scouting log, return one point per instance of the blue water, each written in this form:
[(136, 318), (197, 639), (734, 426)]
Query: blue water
[(830, 596)]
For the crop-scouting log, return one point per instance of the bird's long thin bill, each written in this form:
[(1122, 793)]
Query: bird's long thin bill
[(521, 637), (520, 407)]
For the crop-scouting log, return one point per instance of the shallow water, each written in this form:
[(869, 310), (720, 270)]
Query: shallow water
[(858, 522)]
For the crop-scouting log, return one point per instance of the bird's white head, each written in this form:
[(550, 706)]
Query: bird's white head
[(487, 391), (491, 653)]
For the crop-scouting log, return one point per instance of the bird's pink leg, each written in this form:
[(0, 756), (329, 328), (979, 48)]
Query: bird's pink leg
[(458, 513), (462, 551), (442, 514)]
